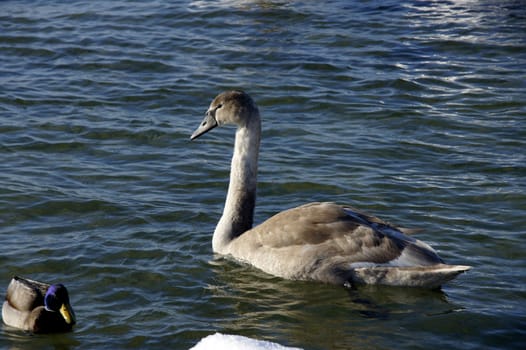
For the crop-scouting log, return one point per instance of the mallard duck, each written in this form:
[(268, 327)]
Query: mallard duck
[(324, 242), (37, 307)]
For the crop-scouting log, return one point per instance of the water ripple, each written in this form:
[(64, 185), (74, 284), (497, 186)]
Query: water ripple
[(411, 110)]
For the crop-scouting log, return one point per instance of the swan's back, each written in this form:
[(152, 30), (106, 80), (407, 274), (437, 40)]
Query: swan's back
[(336, 244)]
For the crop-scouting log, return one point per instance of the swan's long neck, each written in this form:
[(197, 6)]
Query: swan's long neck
[(241, 197)]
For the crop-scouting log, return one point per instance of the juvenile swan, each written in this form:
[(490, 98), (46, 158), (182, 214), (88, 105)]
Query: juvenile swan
[(324, 242)]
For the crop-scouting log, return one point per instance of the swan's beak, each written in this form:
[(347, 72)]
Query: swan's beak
[(206, 125), (67, 313)]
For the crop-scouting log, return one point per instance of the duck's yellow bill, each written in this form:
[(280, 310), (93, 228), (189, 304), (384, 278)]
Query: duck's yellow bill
[(67, 312)]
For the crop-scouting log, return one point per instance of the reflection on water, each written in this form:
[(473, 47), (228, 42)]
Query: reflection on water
[(256, 302), (23, 340)]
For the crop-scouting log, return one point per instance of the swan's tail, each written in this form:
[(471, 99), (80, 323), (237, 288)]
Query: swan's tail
[(415, 276)]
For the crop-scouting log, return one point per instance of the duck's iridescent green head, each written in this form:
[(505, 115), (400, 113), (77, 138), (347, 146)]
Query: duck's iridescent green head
[(57, 300)]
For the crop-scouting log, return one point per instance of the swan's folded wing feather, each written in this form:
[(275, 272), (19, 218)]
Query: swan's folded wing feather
[(329, 231)]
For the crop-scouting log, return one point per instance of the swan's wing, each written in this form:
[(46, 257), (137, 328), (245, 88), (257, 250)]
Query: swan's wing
[(333, 230), (335, 244)]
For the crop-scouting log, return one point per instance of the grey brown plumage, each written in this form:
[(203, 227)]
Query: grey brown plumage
[(317, 241)]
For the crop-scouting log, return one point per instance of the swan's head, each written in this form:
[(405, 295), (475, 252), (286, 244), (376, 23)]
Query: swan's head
[(229, 107)]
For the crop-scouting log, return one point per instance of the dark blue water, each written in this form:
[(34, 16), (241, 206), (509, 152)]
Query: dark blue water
[(414, 111)]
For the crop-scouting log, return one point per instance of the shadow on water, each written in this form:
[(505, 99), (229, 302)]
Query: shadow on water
[(255, 304), (20, 340), (381, 301)]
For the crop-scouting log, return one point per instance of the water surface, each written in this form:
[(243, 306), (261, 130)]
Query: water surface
[(413, 111)]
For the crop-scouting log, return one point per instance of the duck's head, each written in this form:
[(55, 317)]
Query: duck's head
[(57, 300), (229, 107)]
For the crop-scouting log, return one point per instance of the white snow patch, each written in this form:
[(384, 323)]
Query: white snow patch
[(220, 341)]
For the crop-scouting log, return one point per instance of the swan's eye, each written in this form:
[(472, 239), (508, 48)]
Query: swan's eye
[(219, 106)]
